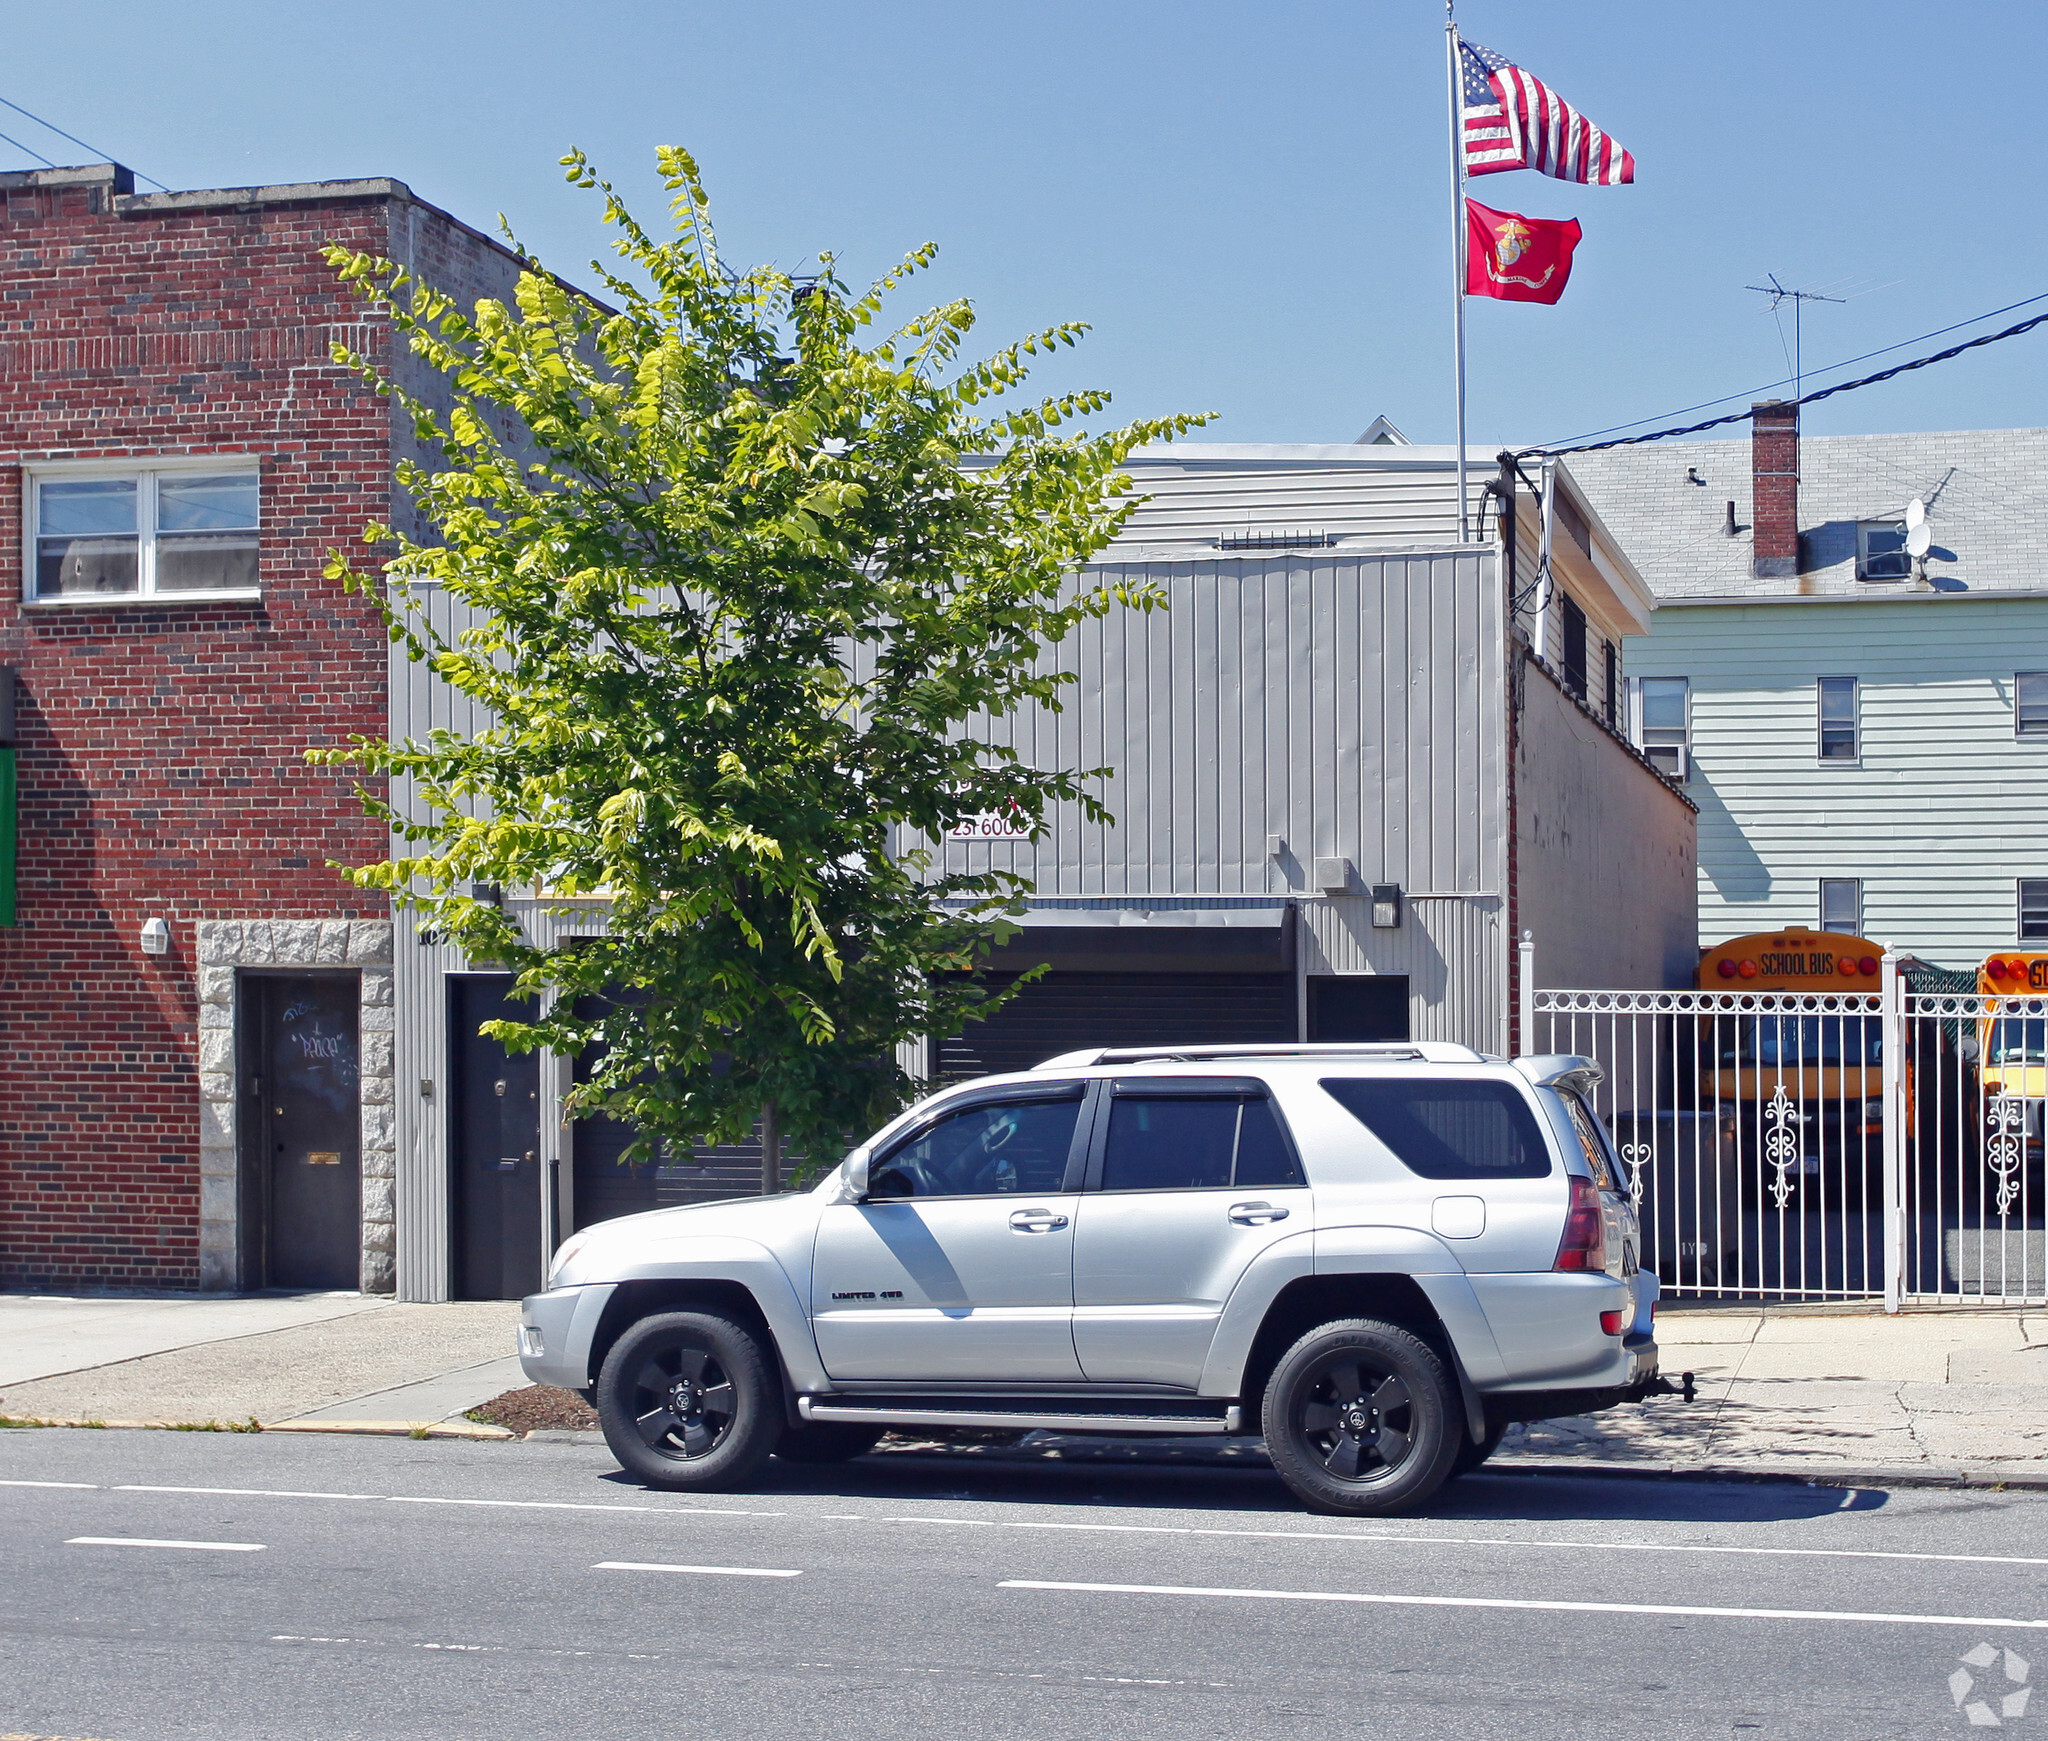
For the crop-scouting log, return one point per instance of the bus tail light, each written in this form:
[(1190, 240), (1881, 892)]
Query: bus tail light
[(1868, 964), (1995, 968), (1584, 1246), (1727, 969)]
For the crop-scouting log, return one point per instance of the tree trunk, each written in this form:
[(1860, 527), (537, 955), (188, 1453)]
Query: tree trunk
[(771, 1151)]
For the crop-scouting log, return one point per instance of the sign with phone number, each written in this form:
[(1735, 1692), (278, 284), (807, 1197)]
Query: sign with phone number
[(991, 825)]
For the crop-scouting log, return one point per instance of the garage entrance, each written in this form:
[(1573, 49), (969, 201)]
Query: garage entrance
[(300, 1209), (1065, 1011)]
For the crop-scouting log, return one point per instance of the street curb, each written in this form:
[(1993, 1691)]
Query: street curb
[(395, 1429), (383, 1429)]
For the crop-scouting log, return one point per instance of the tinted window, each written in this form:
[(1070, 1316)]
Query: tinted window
[(1164, 1144), (991, 1149), (1448, 1130)]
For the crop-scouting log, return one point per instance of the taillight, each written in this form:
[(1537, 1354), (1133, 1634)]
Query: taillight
[(1996, 969), (1584, 1246), (1727, 969), (1868, 964), (1610, 1323)]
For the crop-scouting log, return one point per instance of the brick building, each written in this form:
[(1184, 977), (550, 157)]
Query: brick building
[(195, 1012)]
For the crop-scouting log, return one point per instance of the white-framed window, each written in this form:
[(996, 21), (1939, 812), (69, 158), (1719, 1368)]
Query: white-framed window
[(1881, 551), (1841, 905), (2033, 909), (171, 529), (2030, 704), (1835, 707), (1661, 723)]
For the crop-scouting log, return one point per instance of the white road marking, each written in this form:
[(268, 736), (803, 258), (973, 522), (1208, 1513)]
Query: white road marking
[(1510, 1602), (247, 1492), (715, 1571), (129, 1541), (1165, 1529)]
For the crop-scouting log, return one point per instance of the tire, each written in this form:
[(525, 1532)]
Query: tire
[(828, 1442), (1361, 1419), (690, 1400), (1471, 1455)]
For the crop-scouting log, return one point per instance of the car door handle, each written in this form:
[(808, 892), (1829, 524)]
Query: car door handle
[(1036, 1221), (1255, 1214)]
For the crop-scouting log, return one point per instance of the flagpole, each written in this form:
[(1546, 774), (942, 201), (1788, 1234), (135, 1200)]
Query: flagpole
[(1457, 250)]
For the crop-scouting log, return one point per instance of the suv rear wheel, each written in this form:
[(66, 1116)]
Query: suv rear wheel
[(1362, 1419), (689, 1400)]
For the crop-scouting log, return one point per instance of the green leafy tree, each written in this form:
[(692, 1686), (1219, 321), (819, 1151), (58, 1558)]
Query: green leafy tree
[(746, 567)]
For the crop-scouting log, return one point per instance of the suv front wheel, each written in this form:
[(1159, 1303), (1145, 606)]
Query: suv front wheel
[(1362, 1419), (689, 1400)]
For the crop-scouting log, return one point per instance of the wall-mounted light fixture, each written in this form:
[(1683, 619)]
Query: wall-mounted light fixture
[(156, 937), (1386, 905)]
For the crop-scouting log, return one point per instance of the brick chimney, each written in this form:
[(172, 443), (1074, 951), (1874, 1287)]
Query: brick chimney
[(1774, 502)]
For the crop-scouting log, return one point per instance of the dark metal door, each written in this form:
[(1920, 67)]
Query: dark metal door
[(302, 1155), (493, 1147)]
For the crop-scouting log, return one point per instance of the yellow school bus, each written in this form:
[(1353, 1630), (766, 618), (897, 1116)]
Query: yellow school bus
[(1829, 1064), (2012, 1045)]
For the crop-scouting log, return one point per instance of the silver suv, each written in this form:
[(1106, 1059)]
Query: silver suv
[(1375, 1256)]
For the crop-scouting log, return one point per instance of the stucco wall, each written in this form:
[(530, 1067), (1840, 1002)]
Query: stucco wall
[(1607, 852)]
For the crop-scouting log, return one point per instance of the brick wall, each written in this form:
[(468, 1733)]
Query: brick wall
[(1774, 467), (161, 744)]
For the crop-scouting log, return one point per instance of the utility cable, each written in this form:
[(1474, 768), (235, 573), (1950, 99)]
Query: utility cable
[(73, 137), (1823, 369), (2011, 332)]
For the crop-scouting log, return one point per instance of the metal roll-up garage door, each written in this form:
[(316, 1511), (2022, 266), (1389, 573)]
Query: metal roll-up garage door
[(1065, 1011)]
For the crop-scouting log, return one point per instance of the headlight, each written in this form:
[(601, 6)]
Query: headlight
[(1873, 1111), (565, 1253)]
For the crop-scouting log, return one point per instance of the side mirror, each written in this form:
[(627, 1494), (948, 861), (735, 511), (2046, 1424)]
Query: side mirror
[(854, 1174)]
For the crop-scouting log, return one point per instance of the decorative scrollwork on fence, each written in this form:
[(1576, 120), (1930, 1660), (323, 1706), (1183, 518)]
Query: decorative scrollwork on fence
[(1781, 1144), (2005, 1146), (1635, 1154)]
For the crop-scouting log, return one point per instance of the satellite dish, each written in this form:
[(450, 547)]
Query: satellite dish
[(1916, 513), (1919, 537)]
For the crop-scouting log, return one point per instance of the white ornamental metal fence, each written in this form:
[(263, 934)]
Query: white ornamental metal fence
[(1878, 1145)]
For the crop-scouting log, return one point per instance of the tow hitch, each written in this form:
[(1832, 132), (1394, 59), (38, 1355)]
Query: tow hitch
[(1658, 1385)]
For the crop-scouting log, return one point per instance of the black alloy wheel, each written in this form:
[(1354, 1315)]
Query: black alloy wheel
[(1362, 1418), (683, 1404), (1359, 1418), (689, 1399)]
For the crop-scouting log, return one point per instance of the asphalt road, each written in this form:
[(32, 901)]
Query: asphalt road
[(285, 1586)]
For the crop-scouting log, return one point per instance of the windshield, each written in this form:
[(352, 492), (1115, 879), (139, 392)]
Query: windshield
[(1798, 1040), (2019, 1040)]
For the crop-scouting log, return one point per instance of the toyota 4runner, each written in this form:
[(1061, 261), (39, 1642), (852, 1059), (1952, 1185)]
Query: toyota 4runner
[(1375, 1256)]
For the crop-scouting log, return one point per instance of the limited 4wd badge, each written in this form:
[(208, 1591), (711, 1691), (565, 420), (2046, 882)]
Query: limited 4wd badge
[(870, 1294)]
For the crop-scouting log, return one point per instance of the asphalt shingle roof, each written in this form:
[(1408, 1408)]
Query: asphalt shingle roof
[(1986, 492)]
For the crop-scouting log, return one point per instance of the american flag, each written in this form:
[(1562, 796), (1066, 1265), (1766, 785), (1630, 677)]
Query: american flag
[(1513, 120)]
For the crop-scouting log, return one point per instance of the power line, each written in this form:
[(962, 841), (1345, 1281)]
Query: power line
[(73, 137), (29, 150), (1991, 338), (1826, 368)]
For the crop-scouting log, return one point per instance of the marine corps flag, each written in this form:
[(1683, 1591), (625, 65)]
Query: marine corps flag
[(1514, 258)]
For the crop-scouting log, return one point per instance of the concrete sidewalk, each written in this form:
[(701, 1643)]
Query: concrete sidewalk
[(323, 1362), (1790, 1389)]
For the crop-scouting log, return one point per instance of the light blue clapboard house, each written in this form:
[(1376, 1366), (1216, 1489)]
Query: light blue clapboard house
[(1865, 731)]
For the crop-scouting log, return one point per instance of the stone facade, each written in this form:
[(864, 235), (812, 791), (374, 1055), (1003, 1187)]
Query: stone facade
[(228, 944)]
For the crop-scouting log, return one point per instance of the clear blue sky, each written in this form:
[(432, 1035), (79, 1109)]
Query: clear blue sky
[(1249, 203)]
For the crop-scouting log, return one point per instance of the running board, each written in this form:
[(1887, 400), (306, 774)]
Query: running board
[(1229, 1421)]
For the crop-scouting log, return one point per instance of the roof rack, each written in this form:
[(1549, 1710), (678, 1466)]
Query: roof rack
[(1392, 1051)]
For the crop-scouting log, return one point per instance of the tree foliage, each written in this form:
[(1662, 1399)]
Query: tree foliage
[(745, 568)]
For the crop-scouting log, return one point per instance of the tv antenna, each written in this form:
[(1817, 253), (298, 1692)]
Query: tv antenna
[(1798, 299)]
